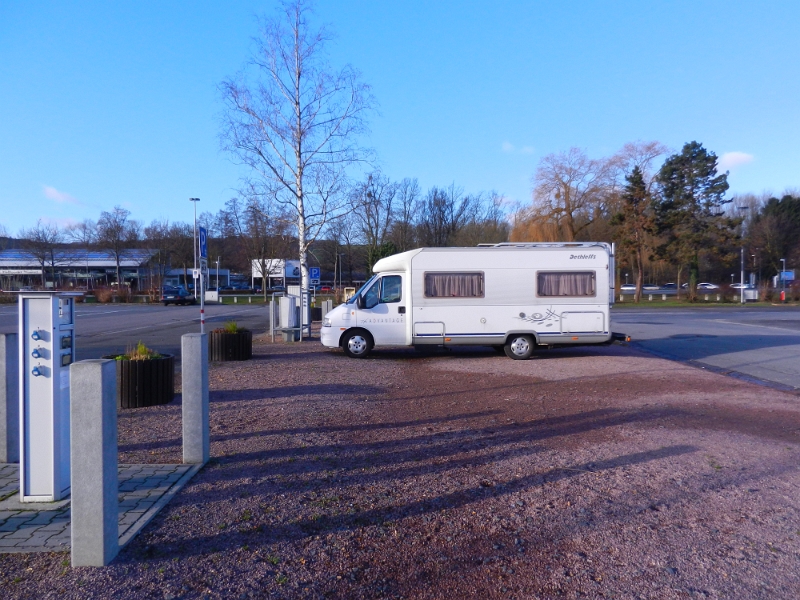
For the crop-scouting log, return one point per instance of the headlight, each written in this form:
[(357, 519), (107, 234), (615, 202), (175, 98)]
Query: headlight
[(326, 322)]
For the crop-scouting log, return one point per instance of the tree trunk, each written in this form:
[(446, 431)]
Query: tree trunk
[(639, 275)]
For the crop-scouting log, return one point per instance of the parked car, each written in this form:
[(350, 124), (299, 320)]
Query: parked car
[(707, 286), (649, 287), (326, 289), (176, 295), (738, 286), (628, 287), (670, 286)]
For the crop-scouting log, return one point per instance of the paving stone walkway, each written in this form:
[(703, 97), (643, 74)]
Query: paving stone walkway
[(45, 527)]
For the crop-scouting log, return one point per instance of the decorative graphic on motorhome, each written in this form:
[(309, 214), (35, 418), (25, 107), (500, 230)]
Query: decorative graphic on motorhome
[(548, 319)]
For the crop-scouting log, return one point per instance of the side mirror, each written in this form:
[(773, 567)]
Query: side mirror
[(360, 302)]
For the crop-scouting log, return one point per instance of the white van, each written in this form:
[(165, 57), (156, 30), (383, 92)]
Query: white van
[(510, 296)]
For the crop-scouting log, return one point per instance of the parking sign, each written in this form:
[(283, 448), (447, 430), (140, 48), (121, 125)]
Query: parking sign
[(314, 274), (203, 242)]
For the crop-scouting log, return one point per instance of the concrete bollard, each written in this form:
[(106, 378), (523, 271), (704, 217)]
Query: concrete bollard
[(663, 296), (649, 297), (94, 481), (9, 398), (194, 383)]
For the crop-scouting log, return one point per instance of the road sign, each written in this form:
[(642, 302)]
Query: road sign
[(203, 242), (313, 272)]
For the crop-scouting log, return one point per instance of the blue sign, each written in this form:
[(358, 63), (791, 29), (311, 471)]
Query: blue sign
[(313, 272), (203, 242)]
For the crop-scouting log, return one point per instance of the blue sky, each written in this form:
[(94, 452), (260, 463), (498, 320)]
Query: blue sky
[(105, 103)]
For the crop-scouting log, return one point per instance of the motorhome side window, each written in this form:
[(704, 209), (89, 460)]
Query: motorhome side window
[(454, 285), (566, 284), (384, 291), (390, 288)]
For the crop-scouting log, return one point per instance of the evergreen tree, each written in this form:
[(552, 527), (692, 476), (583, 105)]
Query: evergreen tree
[(689, 211), (635, 223)]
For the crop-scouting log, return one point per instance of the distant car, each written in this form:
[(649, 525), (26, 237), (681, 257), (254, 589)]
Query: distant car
[(738, 286), (707, 286), (670, 286), (649, 287), (628, 287), (325, 289), (277, 288), (176, 295)]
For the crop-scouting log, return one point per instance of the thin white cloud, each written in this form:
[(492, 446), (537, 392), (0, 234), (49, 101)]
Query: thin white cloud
[(731, 160), (58, 196), (510, 148)]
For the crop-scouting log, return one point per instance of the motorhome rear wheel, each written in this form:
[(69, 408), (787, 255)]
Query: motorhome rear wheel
[(519, 347)]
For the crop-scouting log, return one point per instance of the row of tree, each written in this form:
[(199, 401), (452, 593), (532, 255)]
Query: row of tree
[(667, 221)]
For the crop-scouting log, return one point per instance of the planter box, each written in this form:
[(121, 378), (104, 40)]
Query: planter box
[(145, 382), (224, 346)]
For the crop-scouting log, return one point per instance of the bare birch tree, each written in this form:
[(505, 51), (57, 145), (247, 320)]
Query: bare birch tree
[(296, 123)]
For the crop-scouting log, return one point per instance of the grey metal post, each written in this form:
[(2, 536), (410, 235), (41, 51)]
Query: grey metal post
[(9, 398), (194, 383), (94, 481)]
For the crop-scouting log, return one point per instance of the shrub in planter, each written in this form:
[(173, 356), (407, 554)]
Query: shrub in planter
[(230, 342), (144, 377)]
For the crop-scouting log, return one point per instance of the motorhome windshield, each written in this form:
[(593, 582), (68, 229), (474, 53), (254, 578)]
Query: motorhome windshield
[(361, 289)]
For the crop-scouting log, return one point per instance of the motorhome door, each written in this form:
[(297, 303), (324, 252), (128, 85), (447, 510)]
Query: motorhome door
[(383, 311)]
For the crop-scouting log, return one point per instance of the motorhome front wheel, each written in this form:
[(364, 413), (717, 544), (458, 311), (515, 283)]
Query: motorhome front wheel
[(356, 344), (519, 347)]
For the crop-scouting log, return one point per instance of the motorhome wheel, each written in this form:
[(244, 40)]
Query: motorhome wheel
[(356, 344), (519, 347)]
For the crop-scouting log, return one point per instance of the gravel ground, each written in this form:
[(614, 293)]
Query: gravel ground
[(597, 473)]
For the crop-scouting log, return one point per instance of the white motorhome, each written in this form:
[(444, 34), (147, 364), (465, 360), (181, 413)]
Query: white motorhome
[(511, 296)]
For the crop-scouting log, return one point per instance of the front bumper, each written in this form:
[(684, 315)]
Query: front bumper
[(329, 336)]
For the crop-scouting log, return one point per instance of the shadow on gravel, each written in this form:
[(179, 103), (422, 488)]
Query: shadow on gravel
[(289, 391), (428, 453), (357, 518)]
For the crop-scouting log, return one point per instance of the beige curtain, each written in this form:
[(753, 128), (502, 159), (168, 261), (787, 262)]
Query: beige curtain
[(566, 284), (453, 285)]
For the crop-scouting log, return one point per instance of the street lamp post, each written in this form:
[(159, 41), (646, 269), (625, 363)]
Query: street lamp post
[(741, 253), (194, 242)]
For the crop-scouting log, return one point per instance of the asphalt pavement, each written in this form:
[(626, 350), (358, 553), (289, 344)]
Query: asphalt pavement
[(104, 329), (762, 343)]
